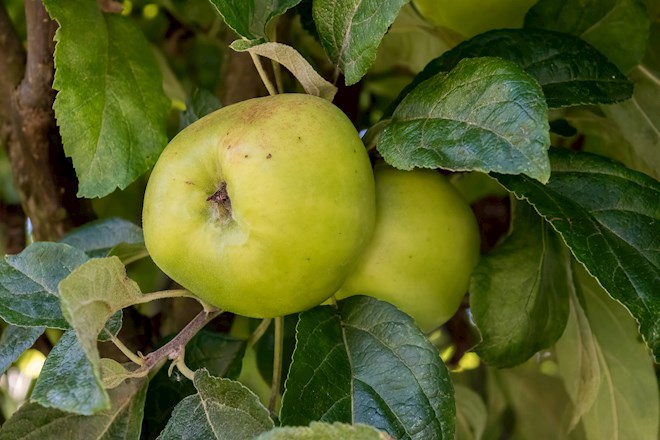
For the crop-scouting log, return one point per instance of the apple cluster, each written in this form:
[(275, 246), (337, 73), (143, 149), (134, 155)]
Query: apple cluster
[(271, 206)]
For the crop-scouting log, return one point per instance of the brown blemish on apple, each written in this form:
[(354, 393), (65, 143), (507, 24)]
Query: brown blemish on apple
[(188, 182), (269, 156), (221, 200)]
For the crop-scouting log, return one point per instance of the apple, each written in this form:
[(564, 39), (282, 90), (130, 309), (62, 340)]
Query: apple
[(472, 17), (424, 247), (262, 207)]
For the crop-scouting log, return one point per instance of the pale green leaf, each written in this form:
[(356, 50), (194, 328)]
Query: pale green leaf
[(351, 30), (471, 414), (312, 82), (110, 104), (487, 115), (325, 431), (221, 409)]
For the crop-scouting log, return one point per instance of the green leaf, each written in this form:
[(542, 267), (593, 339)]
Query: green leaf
[(221, 409), (351, 30), (250, 18), (114, 374), (14, 341), (110, 104), (219, 353), (471, 414), (609, 217), (122, 420), (618, 28), (105, 237), (68, 381), (626, 404), (569, 70), (90, 295), (367, 362), (312, 82), (199, 103), (325, 431), (112, 326), (28, 284), (519, 292), (487, 114)]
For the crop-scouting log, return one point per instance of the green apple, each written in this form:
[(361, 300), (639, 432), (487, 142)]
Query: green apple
[(472, 17), (424, 246), (261, 208)]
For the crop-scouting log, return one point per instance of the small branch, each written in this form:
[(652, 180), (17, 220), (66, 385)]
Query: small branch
[(277, 363), (262, 73), (175, 347)]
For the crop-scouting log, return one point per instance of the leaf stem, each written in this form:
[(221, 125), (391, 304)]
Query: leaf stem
[(180, 363), (259, 332), (162, 294), (127, 351), (262, 73), (277, 362)]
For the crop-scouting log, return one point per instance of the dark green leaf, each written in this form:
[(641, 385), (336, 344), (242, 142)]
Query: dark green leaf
[(487, 114), (111, 236), (121, 421), (199, 103), (28, 284), (112, 326), (325, 431), (14, 341), (221, 409), (219, 353), (618, 28), (68, 381), (250, 18), (609, 216), (519, 292), (367, 362), (351, 31), (110, 105), (569, 70)]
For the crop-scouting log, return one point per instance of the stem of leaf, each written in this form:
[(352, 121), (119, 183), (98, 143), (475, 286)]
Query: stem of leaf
[(181, 365), (277, 362), (127, 351), (175, 293), (259, 332), (262, 74)]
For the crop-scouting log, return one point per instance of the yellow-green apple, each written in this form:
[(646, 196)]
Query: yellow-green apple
[(424, 246), (262, 207), (472, 17)]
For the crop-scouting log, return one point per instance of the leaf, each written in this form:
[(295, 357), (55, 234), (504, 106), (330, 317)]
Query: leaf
[(626, 404), (221, 409), (367, 362), (110, 104), (569, 70), (14, 341), (199, 103), (471, 414), (487, 114), (111, 327), (28, 284), (250, 18), (351, 30), (91, 295), (68, 381), (114, 374), (325, 431), (618, 28), (312, 82), (122, 421), (577, 356), (99, 238), (519, 292), (609, 217)]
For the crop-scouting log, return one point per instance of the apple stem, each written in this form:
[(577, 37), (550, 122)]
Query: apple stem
[(259, 332), (277, 362), (262, 74)]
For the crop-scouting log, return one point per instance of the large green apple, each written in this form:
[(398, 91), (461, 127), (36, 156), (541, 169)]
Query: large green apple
[(472, 17), (262, 208), (424, 246)]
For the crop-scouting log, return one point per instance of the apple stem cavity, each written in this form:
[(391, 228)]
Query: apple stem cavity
[(221, 202)]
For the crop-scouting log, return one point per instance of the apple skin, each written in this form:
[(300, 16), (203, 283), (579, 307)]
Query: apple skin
[(424, 247), (472, 17), (300, 206)]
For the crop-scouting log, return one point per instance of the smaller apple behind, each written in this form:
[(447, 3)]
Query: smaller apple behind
[(424, 247), (262, 207)]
